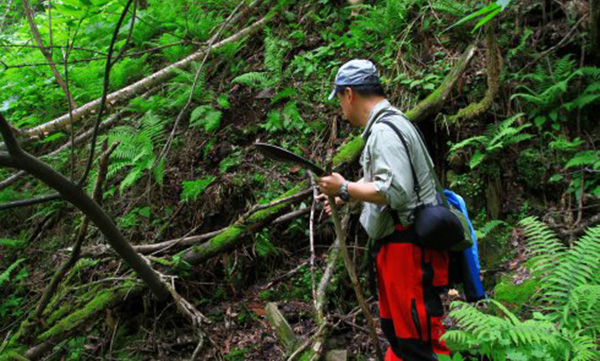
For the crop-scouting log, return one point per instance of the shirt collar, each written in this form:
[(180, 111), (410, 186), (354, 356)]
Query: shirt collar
[(383, 104)]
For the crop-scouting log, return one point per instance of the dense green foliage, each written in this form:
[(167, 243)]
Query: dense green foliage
[(533, 151)]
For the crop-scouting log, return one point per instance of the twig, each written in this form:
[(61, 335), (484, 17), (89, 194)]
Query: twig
[(38, 39), (543, 54), (260, 207), (311, 236), (30, 201), (107, 70)]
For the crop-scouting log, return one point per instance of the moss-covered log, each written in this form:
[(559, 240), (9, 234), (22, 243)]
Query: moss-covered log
[(434, 102), (234, 235), (476, 109), (64, 324)]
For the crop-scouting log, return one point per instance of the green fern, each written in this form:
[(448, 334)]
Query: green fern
[(586, 158), (549, 93), (5, 275), (263, 245), (496, 138), (137, 150), (568, 328), (275, 50), (192, 189), (454, 8)]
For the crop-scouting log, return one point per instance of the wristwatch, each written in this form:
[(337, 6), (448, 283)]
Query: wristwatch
[(343, 192)]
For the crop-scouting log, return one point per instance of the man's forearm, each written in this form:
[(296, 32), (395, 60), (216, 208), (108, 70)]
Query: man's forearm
[(365, 192)]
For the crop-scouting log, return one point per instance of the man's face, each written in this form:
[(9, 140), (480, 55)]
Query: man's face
[(347, 102)]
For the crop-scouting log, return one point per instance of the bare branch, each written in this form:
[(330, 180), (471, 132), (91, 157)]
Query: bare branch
[(72, 193), (107, 69), (30, 201), (47, 54)]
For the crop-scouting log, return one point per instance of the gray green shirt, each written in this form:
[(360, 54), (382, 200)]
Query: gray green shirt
[(384, 162)]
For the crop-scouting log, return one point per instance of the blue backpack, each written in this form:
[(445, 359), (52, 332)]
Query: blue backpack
[(467, 267)]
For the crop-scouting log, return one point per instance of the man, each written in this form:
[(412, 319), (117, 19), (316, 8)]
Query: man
[(409, 277)]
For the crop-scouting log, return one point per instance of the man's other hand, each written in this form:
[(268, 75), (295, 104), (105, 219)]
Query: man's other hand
[(330, 185), (325, 198)]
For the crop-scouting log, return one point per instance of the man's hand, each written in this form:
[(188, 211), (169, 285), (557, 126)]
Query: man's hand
[(330, 185), (325, 198)]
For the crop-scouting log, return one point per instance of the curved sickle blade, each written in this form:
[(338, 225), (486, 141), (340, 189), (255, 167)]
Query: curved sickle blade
[(284, 155)]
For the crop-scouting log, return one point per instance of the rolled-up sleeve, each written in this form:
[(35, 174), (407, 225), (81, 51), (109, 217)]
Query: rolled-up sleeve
[(388, 163)]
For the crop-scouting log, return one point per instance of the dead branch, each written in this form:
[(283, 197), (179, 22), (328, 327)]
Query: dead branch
[(233, 235), (30, 201), (47, 54), (19, 159), (138, 87), (81, 234)]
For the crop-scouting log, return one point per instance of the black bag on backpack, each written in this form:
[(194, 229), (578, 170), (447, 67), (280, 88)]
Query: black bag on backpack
[(438, 227)]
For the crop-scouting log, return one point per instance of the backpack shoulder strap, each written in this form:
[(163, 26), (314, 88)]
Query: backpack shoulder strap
[(416, 185), (427, 160)]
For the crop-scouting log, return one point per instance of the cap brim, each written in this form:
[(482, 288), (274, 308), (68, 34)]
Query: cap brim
[(332, 95)]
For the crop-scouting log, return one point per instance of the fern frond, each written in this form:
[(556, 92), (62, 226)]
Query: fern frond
[(252, 79)]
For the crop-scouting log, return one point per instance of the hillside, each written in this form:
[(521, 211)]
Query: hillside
[(138, 221)]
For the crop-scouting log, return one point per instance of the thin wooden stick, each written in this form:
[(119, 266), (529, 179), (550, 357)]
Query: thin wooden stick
[(341, 235)]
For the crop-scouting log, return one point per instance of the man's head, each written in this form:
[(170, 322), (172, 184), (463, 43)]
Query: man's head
[(359, 89)]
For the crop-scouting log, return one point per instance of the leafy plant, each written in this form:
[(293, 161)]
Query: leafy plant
[(549, 96), (263, 245), (566, 326), (192, 189), (137, 150), (495, 139), (207, 117), (484, 14), (5, 275), (275, 49)]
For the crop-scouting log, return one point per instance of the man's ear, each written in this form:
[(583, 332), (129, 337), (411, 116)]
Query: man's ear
[(350, 95)]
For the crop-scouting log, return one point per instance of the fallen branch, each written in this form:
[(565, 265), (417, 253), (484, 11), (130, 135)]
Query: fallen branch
[(30, 201), (233, 235), (107, 124), (162, 247), (138, 87), (19, 159)]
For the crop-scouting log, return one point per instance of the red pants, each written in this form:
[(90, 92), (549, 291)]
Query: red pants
[(409, 279)]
